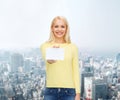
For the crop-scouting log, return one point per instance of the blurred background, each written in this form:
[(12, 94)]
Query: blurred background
[(94, 28)]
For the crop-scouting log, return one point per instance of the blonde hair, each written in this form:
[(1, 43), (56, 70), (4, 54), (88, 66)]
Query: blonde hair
[(67, 35)]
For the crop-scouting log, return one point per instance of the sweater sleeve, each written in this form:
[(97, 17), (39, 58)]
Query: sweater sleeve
[(76, 70), (42, 50)]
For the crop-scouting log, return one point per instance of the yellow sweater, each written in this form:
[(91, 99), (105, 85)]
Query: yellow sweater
[(63, 73)]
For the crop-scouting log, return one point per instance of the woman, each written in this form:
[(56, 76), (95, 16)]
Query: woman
[(62, 76)]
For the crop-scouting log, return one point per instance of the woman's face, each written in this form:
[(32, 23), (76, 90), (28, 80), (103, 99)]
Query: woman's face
[(59, 29)]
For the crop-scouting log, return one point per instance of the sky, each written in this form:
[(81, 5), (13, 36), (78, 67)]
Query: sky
[(94, 24)]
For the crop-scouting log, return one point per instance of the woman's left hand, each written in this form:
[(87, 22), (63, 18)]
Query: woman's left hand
[(77, 97)]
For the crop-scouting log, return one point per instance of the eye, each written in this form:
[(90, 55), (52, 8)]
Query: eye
[(63, 26), (56, 26)]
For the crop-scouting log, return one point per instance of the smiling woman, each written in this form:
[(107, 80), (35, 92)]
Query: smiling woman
[(62, 75), (59, 30)]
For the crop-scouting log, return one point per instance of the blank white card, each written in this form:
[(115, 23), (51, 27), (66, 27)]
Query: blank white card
[(55, 53)]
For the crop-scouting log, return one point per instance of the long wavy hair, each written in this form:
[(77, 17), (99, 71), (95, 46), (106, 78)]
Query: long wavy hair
[(67, 35)]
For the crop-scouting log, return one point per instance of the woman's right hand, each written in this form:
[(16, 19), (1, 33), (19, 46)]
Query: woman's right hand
[(51, 61)]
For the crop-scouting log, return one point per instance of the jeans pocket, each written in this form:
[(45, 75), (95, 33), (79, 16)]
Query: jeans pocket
[(70, 91)]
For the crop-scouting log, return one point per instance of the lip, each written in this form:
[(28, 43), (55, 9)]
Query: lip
[(59, 33)]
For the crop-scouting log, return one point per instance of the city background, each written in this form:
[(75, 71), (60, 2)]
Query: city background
[(23, 75)]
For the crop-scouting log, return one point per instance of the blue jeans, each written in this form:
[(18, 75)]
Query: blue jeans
[(59, 94)]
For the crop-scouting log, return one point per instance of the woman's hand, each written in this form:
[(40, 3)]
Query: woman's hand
[(51, 61), (77, 97)]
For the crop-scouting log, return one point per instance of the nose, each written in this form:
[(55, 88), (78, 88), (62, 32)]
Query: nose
[(59, 28)]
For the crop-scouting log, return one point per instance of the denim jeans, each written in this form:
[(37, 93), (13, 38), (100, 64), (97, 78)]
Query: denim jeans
[(59, 94)]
